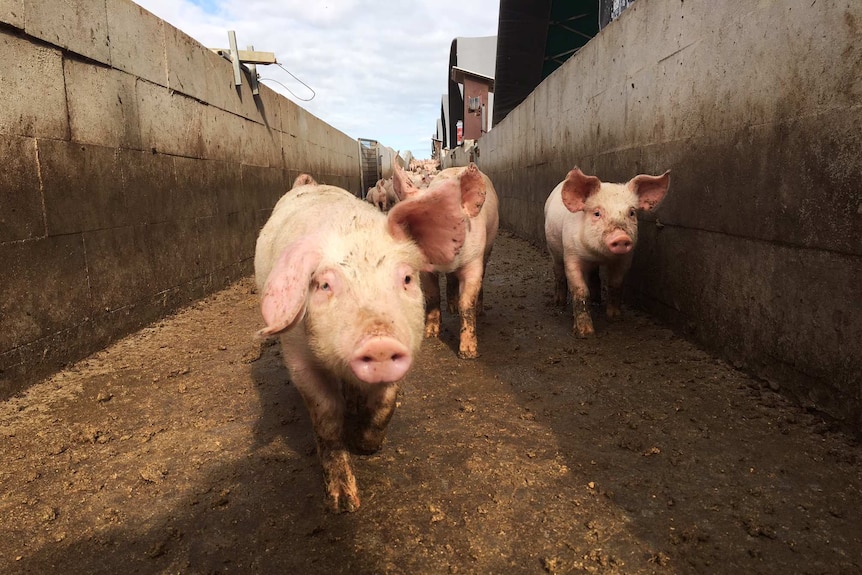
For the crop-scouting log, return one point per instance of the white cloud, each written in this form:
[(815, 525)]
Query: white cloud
[(378, 70)]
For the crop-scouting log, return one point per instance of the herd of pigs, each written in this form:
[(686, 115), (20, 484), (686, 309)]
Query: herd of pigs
[(351, 287)]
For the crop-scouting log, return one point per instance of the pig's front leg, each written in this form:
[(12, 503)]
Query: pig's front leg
[(452, 287), (576, 273), (615, 274), (372, 408), (470, 280), (325, 402), (561, 286), (431, 288), (452, 291)]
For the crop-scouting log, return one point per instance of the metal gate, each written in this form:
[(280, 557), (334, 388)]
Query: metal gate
[(369, 158)]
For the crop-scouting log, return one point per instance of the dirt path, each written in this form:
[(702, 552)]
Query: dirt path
[(183, 449)]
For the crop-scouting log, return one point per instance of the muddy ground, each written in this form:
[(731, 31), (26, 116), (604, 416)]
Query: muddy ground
[(184, 449)]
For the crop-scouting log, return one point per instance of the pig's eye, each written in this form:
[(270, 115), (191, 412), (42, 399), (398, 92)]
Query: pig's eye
[(597, 214), (632, 213), (408, 280), (325, 287)]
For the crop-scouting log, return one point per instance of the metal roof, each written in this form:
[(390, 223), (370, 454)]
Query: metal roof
[(535, 37)]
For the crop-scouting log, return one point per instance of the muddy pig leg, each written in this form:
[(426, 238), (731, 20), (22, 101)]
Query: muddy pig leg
[(431, 289), (452, 291), (470, 278), (576, 272), (561, 286), (325, 402), (615, 274), (374, 407)]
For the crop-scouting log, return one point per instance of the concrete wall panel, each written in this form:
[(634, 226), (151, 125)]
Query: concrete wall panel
[(171, 123), (82, 187), (188, 65), (262, 187), (137, 41), (32, 90), (150, 191), (140, 259), (43, 298), (80, 26), (103, 107), (12, 13), (21, 215)]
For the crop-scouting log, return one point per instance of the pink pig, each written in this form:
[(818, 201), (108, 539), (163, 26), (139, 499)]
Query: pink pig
[(382, 195), (339, 283), (465, 273), (589, 223)]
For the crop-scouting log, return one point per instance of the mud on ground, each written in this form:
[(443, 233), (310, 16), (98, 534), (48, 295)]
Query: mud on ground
[(184, 449)]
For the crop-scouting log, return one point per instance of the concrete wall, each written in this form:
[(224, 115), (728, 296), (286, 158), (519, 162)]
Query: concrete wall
[(756, 107), (134, 175)]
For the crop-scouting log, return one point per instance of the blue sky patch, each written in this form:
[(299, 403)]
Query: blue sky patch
[(208, 6)]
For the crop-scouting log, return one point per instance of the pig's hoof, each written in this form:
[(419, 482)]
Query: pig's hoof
[(341, 490), (583, 332), (366, 446), (343, 502), (342, 497), (470, 353), (432, 331)]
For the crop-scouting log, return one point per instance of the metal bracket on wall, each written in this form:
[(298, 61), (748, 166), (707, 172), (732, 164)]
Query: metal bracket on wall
[(240, 57)]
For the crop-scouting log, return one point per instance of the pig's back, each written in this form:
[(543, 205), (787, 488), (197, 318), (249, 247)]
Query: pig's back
[(317, 209), (490, 211)]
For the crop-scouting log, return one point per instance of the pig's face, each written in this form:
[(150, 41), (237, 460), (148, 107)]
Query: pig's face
[(364, 310), (379, 197), (610, 218), (610, 210)]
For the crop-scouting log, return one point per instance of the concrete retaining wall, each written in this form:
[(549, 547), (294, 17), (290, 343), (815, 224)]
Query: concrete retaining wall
[(756, 107), (134, 175)]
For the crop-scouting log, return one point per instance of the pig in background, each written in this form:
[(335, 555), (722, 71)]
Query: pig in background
[(339, 283), (420, 179), (382, 195), (464, 275), (589, 224)]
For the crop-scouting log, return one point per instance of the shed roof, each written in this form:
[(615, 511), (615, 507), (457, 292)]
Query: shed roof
[(535, 37), (458, 74)]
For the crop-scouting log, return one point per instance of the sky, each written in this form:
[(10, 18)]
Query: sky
[(377, 69)]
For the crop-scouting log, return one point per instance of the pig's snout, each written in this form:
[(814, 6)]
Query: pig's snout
[(381, 359), (619, 242)]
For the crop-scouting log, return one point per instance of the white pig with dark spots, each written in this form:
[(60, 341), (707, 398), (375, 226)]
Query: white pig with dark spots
[(589, 224), (339, 283)]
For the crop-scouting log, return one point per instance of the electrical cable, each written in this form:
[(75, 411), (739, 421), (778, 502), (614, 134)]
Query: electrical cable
[(313, 93)]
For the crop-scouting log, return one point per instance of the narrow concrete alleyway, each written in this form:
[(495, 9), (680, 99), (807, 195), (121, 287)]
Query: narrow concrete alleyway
[(184, 449)]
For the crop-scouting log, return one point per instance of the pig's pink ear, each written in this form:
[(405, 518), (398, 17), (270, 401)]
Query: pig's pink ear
[(472, 190), (402, 185), (577, 187), (434, 220), (303, 180), (649, 189), (284, 294)]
